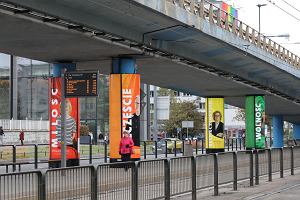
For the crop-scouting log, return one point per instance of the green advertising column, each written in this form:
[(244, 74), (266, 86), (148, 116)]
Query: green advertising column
[(255, 119)]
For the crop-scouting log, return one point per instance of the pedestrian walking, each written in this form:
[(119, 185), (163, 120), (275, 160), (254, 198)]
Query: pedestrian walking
[(91, 137), (244, 139), (1, 135), (125, 148), (21, 137)]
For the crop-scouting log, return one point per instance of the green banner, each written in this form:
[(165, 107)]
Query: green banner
[(255, 119)]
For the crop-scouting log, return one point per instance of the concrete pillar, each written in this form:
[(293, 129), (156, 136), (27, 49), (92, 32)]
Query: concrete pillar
[(123, 66), (296, 131), (277, 122), (57, 68)]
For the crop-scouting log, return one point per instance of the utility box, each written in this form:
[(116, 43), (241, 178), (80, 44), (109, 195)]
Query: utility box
[(188, 150)]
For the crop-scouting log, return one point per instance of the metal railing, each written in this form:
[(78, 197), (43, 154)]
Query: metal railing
[(150, 179), (69, 183), (228, 22), (28, 125), (25, 185), (33, 155)]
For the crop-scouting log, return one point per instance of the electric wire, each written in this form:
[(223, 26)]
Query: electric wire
[(293, 16), (290, 5)]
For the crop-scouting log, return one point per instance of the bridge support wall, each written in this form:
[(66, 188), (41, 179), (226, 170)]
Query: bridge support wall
[(296, 131), (277, 122)]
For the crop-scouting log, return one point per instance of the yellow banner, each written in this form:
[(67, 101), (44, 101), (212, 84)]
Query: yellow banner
[(214, 120)]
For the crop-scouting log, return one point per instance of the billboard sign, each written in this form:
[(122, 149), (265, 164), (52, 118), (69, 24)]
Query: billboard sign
[(214, 120), (125, 111), (187, 124), (255, 122), (72, 122)]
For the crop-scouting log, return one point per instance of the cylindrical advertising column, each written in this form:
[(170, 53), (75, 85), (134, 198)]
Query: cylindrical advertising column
[(277, 122), (124, 110), (214, 120), (255, 120), (64, 126)]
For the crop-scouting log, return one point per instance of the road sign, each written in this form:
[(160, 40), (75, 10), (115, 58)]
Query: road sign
[(187, 124), (78, 84)]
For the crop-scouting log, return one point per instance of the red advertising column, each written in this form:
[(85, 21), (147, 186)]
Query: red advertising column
[(72, 126)]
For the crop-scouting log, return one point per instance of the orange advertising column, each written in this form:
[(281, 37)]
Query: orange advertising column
[(124, 114)]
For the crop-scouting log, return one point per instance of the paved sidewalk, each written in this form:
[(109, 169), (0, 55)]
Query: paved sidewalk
[(280, 188)]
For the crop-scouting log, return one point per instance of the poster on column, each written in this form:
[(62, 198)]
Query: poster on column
[(259, 122), (214, 120), (124, 112), (72, 122), (255, 122)]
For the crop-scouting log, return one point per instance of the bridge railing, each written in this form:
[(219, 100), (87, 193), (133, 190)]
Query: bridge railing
[(226, 21), (150, 179)]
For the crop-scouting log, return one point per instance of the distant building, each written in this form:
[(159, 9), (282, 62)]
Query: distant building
[(232, 127)]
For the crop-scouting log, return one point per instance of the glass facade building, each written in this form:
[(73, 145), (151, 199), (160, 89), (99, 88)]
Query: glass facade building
[(24, 94), (5, 61)]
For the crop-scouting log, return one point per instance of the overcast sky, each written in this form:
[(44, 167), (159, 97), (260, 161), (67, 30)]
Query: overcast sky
[(273, 20)]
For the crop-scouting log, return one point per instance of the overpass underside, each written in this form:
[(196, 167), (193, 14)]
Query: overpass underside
[(173, 48)]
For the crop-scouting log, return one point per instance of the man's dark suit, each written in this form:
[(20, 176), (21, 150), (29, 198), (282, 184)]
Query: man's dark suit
[(135, 121), (219, 129)]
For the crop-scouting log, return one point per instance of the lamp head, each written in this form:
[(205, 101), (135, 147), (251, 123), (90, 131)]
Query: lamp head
[(261, 5)]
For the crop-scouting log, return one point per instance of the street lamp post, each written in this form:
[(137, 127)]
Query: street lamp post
[(259, 5)]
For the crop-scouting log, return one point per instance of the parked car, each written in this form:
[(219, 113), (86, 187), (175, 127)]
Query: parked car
[(161, 145), (195, 144)]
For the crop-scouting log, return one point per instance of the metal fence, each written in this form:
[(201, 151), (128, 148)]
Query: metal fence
[(117, 181), (149, 179), (11, 124), (244, 163), (34, 156), (204, 171), (69, 183), (25, 186), (152, 179)]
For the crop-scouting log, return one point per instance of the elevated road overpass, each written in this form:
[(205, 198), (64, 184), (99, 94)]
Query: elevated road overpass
[(181, 45)]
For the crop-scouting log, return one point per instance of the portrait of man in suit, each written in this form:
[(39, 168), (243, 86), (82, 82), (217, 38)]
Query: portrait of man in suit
[(217, 127)]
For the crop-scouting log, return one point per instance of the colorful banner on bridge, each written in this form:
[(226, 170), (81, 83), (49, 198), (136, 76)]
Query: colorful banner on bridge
[(255, 122), (124, 112), (72, 122), (232, 12), (214, 120)]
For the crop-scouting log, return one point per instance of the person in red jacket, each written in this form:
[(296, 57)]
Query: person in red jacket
[(21, 137), (125, 148)]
